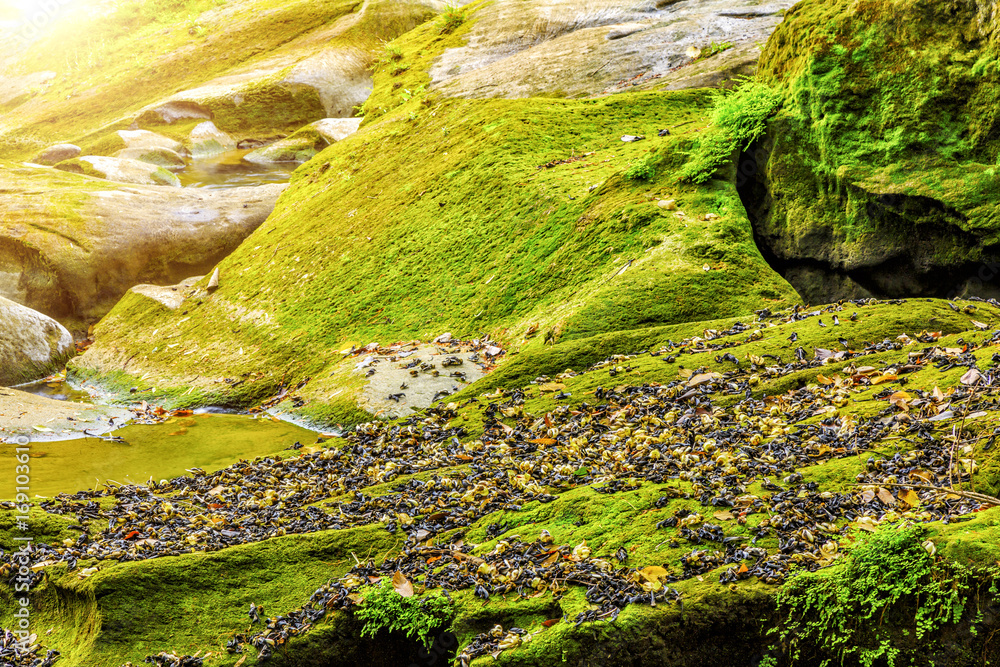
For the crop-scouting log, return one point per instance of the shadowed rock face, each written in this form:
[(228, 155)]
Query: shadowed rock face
[(586, 47), (878, 176), (76, 246), (31, 344)]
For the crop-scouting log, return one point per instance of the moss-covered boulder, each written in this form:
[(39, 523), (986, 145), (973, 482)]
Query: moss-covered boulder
[(31, 344), (160, 157), (881, 168), (72, 245), (56, 153), (530, 220)]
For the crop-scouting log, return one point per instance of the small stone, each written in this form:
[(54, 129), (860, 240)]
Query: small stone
[(668, 204), (213, 282), (632, 137), (443, 338), (711, 216)]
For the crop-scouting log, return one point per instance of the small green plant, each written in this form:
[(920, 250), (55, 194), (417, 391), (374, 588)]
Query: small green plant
[(851, 611), (714, 48), (643, 169), (738, 119), (451, 18), (390, 54), (385, 609), (194, 27)]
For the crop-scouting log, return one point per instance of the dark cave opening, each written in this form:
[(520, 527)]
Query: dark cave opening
[(904, 275)]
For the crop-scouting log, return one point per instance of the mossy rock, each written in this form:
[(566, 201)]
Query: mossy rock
[(509, 214), (31, 344), (882, 164), (72, 245)]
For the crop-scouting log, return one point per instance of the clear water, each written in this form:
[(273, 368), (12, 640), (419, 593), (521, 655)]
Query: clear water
[(228, 170), (209, 441), (58, 390)]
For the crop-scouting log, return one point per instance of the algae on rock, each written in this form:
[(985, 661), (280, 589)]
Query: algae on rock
[(881, 167)]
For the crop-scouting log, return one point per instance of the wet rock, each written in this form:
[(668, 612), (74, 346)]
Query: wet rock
[(206, 140), (120, 169), (31, 344), (57, 153)]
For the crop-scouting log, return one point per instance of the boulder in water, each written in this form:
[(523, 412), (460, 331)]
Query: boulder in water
[(301, 146), (207, 140)]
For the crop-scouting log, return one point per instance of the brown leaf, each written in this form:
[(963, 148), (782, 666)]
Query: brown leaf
[(885, 496), (552, 386), (402, 584), (724, 515), (867, 496), (553, 557), (909, 497), (887, 377), (822, 379), (743, 569), (549, 623), (702, 378), (543, 441), (980, 325), (652, 572)]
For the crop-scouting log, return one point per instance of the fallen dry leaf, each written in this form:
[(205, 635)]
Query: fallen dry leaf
[(402, 584)]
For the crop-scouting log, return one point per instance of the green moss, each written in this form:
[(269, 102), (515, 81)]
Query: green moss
[(887, 134), (477, 217), (402, 71), (886, 597), (188, 603)]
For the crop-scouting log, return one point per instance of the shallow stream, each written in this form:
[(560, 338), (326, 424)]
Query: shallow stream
[(210, 441), (229, 170)]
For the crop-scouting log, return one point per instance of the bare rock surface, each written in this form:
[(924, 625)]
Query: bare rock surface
[(578, 48)]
